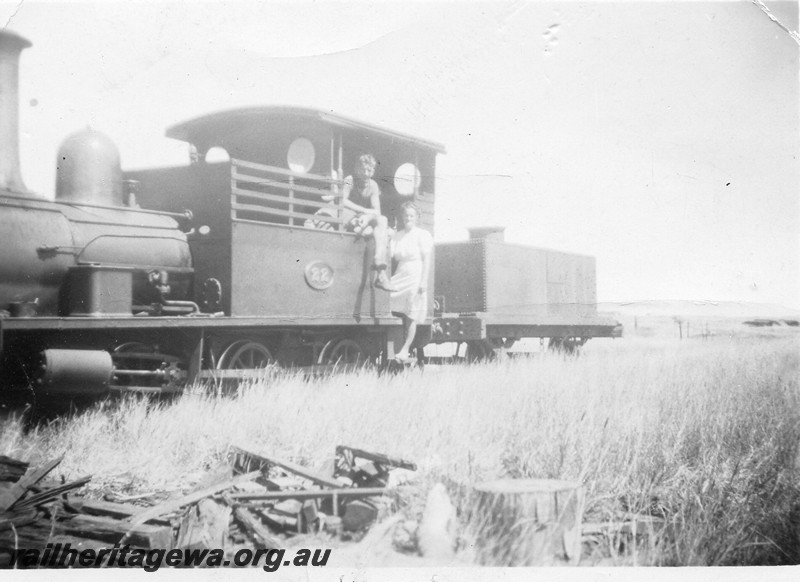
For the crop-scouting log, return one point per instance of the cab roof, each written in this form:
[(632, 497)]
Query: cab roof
[(206, 128)]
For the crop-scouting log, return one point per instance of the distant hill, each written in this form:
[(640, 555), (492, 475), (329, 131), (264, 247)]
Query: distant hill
[(709, 309)]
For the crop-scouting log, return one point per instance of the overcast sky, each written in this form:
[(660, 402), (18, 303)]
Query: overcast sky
[(661, 138)]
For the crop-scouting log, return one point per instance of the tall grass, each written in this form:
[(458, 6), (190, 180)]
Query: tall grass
[(703, 434)]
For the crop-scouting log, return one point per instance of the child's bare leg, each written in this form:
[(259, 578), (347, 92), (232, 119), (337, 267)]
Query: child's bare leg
[(380, 230)]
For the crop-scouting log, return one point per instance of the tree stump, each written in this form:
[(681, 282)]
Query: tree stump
[(527, 522)]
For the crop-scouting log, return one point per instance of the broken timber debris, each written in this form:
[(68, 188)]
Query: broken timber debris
[(33, 515), (11, 469), (367, 469), (250, 458), (174, 505), (204, 526), (10, 495), (263, 536), (340, 500), (268, 500)]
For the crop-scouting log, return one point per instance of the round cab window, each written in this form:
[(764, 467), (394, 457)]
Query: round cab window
[(301, 155), (406, 179), (217, 154)]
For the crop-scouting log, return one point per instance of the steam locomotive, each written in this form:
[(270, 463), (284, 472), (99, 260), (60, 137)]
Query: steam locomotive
[(154, 279)]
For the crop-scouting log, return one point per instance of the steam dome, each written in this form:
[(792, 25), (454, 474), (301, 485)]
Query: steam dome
[(88, 170)]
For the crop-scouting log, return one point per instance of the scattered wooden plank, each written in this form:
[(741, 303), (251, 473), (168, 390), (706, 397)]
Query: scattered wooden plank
[(310, 513), (38, 534), (109, 509), (113, 531), (254, 526), (288, 466), (278, 520), (288, 506), (115, 497), (175, 504), (10, 495), (190, 532), (50, 494), (17, 519), (351, 492), (205, 526), (292, 509), (11, 469), (283, 483), (376, 457)]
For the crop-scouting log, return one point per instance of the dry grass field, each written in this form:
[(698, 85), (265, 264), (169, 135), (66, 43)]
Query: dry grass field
[(702, 433)]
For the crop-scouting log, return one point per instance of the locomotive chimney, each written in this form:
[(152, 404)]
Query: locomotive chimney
[(11, 45)]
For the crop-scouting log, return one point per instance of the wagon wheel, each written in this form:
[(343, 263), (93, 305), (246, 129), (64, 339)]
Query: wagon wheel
[(567, 345), (343, 351), (507, 342), (478, 351), (497, 347), (245, 355)]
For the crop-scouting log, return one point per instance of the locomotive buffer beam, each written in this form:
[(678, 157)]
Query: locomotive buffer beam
[(458, 329)]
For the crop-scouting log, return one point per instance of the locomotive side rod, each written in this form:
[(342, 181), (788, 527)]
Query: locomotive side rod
[(146, 389), (243, 374), (136, 372)]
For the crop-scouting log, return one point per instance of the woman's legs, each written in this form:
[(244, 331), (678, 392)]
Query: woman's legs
[(410, 329)]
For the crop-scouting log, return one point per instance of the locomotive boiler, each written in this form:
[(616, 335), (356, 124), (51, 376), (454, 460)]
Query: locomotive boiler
[(90, 252), (151, 280), (92, 225)]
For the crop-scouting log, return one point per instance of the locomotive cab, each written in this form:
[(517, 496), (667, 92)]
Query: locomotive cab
[(278, 244)]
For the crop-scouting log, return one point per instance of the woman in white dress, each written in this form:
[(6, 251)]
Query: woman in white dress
[(411, 248)]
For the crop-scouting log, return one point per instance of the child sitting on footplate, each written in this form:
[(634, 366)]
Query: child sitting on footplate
[(361, 199)]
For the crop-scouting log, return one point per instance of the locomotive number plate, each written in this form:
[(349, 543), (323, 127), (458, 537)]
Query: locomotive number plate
[(319, 275)]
